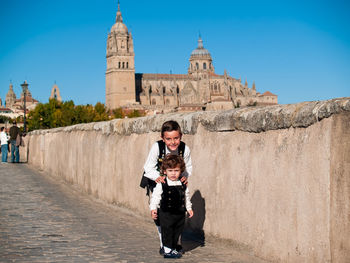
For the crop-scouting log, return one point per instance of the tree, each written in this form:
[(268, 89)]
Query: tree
[(4, 119), (59, 114), (118, 113), (134, 114), (100, 112)]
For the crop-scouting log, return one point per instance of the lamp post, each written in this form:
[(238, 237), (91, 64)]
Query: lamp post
[(24, 88)]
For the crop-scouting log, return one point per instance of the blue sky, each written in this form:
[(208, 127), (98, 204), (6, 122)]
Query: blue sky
[(299, 50)]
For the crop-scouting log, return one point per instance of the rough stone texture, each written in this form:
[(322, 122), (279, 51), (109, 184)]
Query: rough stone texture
[(274, 179), (251, 119), (340, 189)]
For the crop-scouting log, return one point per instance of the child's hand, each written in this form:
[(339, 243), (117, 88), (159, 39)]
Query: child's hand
[(183, 179), (190, 213), (160, 179), (154, 214)]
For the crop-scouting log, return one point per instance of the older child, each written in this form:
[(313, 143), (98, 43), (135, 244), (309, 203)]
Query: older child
[(173, 199), (170, 144)]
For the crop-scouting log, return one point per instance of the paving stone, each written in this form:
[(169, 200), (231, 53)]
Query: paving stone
[(45, 220)]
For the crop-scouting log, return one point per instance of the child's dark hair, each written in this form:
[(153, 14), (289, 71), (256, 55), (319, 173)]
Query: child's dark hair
[(173, 161), (169, 126), (2, 128)]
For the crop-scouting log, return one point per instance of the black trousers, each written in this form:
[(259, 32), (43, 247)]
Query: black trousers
[(172, 226)]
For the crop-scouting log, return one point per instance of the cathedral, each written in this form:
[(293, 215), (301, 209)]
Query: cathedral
[(16, 105), (200, 89)]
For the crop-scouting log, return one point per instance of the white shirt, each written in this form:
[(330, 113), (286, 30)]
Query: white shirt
[(157, 195), (4, 137), (150, 166)]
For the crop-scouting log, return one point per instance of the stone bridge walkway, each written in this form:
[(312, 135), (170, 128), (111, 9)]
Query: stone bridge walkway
[(42, 220)]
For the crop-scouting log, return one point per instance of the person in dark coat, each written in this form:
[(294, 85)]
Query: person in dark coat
[(14, 132)]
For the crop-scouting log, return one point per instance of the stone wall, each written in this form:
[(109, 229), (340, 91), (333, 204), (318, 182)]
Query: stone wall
[(275, 179)]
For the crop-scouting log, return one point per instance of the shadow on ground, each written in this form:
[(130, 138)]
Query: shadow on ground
[(193, 235)]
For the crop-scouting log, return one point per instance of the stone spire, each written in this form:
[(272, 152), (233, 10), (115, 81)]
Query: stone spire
[(119, 17), (200, 42), (10, 97)]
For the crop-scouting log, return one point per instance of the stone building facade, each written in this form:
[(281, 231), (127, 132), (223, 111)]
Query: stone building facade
[(201, 88), (14, 107)]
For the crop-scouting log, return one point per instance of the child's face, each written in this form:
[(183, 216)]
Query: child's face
[(173, 173), (172, 139)]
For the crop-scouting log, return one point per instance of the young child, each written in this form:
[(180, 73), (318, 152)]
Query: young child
[(173, 199), (170, 144)]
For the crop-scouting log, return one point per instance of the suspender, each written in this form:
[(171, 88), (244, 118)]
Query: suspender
[(161, 156)]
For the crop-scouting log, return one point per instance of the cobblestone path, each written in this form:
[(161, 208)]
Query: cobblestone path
[(42, 220)]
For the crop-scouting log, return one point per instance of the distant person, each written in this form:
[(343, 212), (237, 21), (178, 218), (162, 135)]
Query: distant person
[(14, 132), (170, 144), (169, 202), (4, 144)]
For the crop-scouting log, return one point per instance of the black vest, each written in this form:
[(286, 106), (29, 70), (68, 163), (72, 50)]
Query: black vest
[(173, 198)]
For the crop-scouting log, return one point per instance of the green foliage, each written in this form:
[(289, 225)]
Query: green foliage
[(134, 114), (4, 119), (59, 114), (118, 113), (100, 112)]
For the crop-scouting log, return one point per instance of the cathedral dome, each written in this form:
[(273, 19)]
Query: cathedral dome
[(119, 26), (200, 50)]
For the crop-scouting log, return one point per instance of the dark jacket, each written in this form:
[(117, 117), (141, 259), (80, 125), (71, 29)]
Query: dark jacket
[(14, 131)]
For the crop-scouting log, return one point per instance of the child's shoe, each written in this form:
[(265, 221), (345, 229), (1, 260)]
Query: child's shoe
[(179, 249), (172, 254), (161, 251)]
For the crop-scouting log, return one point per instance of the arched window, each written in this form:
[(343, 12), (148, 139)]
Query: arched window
[(204, 65), (215, 88), (154, 102), (123, 64), (163, 90), (191, 66), (127, 64), (119, 65), (197, 65)]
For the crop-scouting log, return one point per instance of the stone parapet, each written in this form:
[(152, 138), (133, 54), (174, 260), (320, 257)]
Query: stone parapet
[(248, 119)]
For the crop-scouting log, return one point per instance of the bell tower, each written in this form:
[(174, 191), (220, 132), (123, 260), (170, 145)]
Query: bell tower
[(120, 73)]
